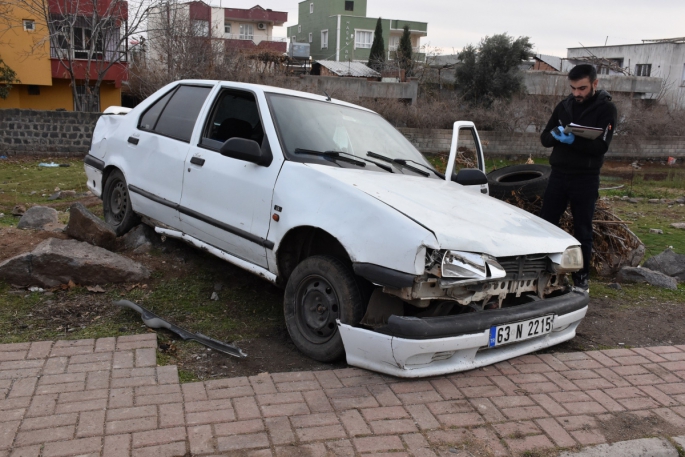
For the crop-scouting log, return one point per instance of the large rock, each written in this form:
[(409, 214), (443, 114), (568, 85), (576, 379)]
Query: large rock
[(85, 226), (668, 263), (38, 217), (56, 262), (139, 240), (645, 275)]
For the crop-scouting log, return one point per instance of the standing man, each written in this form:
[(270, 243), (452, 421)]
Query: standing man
[(576, 161)]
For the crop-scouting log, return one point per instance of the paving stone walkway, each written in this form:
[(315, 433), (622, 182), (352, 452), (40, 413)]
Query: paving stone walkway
[(108, 397)]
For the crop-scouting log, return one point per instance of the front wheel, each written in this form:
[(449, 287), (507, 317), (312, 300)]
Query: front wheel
[(116, 204), (321, 290)]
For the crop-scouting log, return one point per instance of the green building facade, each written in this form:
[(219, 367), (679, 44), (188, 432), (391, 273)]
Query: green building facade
[(339, 30)]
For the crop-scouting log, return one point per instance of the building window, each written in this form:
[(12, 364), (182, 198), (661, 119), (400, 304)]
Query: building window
[(324, 39), (293, 39), (363, 39), (311, 37), (349, 6), (246, 32), (34, 90), (227, 28), (199, 28), (311, 8), (643, 69), (299, 29), (29, 25)]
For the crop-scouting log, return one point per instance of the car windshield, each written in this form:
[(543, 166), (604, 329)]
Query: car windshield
[(313, 125)]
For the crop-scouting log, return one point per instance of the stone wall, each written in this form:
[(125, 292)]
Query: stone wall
[(54, 133), (29, 132), (499, 144)]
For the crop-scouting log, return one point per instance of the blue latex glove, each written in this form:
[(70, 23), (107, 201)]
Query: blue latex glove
[(566, 138)]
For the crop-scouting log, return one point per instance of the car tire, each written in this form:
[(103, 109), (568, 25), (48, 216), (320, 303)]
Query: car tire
[(116, 204), (529, 181), (321, 290)]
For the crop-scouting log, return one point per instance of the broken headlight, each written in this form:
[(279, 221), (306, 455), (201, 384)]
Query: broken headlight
[(568, 261), (470, 265)]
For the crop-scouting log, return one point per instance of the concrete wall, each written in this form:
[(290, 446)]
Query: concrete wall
[(555, 83), (500, 144), (41, 133), (667, 60), (340, 87)]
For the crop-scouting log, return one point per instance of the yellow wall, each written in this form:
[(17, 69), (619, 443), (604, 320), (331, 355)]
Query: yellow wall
[(109, 96), (27, 53), (56, 96)]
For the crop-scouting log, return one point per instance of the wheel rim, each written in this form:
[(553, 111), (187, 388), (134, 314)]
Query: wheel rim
[(316, 310), (118, 202)]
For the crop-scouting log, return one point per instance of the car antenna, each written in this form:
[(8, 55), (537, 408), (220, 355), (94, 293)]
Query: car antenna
[(328, 99)]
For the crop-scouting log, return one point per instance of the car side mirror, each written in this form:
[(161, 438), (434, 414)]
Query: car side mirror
[(247, 150), (470, 177)]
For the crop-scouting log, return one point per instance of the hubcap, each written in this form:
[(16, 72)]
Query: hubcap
[(118, 202), (317, 309)]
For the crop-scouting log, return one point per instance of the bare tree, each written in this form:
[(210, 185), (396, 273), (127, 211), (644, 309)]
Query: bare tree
[(87, 38), (180, 47)]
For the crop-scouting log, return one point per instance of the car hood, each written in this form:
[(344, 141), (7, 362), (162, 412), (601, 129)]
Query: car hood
[(459, 218)]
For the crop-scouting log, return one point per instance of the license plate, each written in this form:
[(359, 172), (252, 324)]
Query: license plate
[(519, 331)]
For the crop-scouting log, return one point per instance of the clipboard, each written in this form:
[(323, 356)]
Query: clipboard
[(582, 131)]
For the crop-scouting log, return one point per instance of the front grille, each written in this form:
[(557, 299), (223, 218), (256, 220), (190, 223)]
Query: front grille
[(523, 267)]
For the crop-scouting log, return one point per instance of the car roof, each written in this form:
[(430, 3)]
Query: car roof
[(274, 90)]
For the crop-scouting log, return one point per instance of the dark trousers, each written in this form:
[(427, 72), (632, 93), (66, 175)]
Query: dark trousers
[(581, 191)]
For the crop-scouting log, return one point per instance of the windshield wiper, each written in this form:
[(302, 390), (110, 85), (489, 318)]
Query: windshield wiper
[(437, 173), (332, 154), (399, 162)]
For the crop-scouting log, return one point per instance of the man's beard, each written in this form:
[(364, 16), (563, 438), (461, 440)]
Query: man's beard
[(582, 100)]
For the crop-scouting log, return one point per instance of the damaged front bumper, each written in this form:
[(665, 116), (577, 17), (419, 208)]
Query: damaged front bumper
[(410, 347)]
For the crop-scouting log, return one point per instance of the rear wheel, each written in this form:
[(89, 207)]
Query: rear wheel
[(116, 203), (321, 290)]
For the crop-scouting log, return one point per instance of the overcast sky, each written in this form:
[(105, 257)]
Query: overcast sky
[(552, 27)]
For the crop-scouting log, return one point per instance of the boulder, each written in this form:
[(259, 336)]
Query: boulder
[(85, 226), (139, 240), (645, 275), (38, 217), (56, 262), (668, 263), (18, 210), (678, 225)]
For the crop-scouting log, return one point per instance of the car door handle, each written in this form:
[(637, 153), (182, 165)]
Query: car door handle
[(133, 140), (197, 161)]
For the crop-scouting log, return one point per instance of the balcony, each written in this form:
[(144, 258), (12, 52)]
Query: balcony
[(81, 54)]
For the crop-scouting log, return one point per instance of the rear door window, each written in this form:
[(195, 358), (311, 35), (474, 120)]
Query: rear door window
[(175, 114), (149, 119), (180, 114)]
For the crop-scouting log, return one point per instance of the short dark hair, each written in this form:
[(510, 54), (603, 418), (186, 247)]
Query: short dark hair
[(583, 71)]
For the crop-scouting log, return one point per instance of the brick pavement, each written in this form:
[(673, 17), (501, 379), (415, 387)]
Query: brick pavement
[(107, 397)]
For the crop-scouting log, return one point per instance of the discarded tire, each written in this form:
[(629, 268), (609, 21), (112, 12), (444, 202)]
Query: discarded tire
[(529, 181)]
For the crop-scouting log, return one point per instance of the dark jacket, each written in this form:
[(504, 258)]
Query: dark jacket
[(583, 156)]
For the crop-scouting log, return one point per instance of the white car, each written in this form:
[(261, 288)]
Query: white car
[(404, 270)]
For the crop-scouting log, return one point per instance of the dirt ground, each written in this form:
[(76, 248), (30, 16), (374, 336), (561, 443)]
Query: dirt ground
[(63, 312), (254, 307), (609, 322)]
